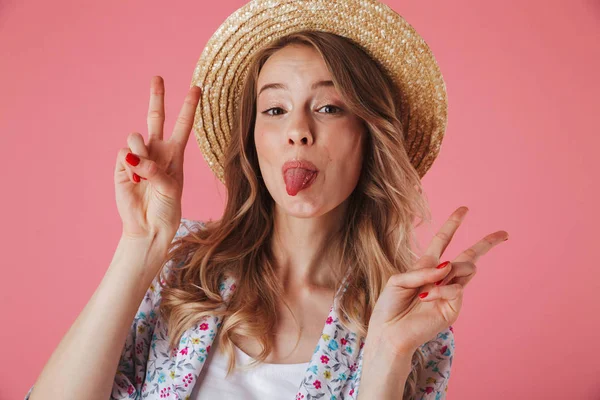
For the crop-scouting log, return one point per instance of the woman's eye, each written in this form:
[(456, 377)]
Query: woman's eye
[(332, 106), (274, 108), (338, 110)]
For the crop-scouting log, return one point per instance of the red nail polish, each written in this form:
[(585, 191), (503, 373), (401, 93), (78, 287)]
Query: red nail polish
[(132, 159), (442, 265), (438, 282), (136, 177), (423, 295)]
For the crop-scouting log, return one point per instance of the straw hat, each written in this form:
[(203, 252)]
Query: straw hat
[(382, 33)]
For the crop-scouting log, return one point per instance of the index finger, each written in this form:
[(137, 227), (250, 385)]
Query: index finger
[(185, 120), (442, 238)]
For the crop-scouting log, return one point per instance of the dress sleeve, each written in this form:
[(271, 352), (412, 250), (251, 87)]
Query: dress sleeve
[(433, 382), (131, 370)]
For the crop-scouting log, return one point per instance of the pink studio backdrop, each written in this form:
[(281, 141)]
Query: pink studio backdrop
[(519, 151)]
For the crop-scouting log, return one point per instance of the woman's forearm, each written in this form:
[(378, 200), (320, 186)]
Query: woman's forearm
[(85, 362), (384, 373)]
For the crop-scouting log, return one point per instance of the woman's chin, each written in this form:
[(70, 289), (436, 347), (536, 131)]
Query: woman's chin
[(302, 211), (301, 206)]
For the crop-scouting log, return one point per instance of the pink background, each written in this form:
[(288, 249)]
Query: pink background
[(519, 151)]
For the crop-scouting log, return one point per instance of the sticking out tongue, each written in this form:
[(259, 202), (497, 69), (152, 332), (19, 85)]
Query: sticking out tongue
[(297, 179)]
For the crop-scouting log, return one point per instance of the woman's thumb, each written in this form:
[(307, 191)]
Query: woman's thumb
[(149, 170)]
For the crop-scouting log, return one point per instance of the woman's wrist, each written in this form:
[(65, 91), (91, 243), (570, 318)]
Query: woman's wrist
[(384, 370), (142, 257)]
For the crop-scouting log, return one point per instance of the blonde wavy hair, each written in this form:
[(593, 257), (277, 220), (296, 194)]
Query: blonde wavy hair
[(377, 233)]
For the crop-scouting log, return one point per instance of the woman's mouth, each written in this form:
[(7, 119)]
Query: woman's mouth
[(298, 175), (297, 179)]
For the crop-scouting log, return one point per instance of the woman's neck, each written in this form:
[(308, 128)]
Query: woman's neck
[(305, 249)]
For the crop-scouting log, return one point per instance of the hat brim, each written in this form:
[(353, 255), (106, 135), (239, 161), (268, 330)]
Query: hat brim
[(383, 34)]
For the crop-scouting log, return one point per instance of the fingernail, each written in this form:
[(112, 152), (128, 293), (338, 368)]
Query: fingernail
[(438, 282), (132, 159), (442, 265), (423, 295), (136, 177)]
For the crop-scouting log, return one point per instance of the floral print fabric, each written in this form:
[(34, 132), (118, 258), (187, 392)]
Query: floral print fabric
[(148, 369)]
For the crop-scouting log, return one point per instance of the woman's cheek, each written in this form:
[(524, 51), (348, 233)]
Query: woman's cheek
[(268, 158), (263, 146)]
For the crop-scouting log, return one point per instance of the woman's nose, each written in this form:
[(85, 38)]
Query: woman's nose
[(300, 139), (299, 131)]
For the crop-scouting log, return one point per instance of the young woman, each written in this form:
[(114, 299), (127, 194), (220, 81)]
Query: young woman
[(308, 280)]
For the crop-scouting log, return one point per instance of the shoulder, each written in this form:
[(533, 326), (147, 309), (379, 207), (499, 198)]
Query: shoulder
[(186, 225), (227, 284), (441, 349), (438, 353)]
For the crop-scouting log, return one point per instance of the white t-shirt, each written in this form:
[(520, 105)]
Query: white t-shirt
[(264, 381)]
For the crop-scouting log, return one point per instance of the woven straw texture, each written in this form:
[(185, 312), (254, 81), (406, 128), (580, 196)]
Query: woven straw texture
[(383, 34)]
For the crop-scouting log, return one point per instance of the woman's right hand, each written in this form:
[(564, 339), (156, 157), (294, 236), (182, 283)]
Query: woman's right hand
[(152, 205)]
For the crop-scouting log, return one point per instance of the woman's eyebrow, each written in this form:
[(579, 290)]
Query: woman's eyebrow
[(314, 86)]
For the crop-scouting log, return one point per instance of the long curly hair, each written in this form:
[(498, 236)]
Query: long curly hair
[(376, 238)]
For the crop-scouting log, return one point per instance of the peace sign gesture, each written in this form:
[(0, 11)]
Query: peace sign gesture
[(149, 177), (403, 319)]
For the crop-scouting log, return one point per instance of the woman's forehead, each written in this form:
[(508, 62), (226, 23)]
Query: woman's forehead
[(294, 60)]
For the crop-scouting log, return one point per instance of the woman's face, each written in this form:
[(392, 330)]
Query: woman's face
[(303, 120)]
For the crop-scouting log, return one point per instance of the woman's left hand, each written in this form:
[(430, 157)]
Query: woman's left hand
[(402, 320)]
